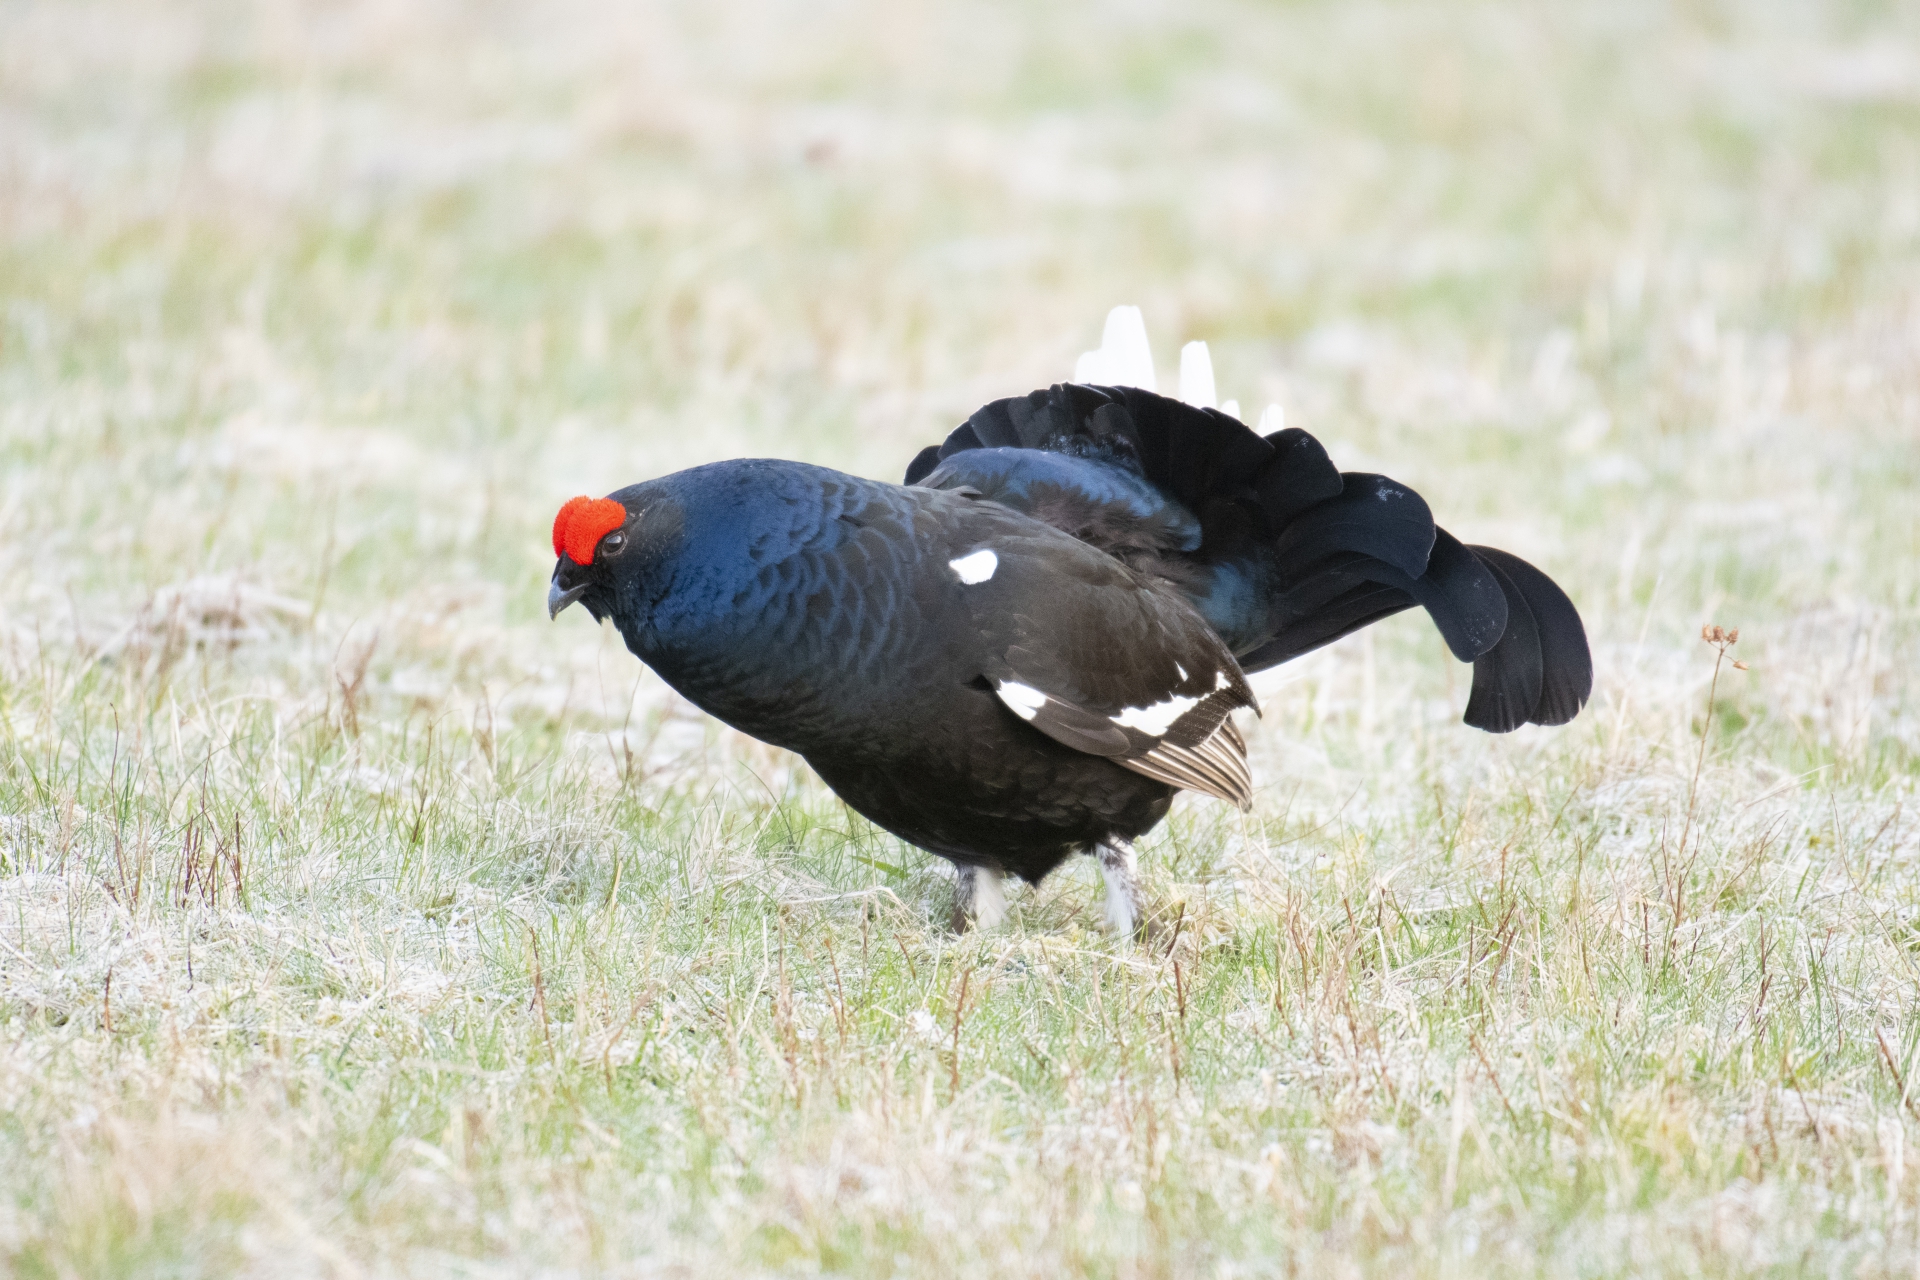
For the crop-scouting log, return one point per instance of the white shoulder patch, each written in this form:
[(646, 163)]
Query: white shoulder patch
[(1024, 700), (1156, 719), (976, 566)]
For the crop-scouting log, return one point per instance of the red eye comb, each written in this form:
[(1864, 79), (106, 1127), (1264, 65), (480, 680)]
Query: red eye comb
[(581, 524)]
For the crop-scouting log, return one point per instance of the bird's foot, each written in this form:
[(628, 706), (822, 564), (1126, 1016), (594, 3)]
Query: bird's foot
[(1125, 904), (979, 900)]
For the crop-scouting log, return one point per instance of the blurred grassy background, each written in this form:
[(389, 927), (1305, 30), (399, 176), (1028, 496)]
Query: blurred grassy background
[(312, 313)]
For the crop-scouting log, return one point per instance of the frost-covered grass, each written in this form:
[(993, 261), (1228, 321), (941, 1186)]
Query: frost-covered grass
[(355, 920)]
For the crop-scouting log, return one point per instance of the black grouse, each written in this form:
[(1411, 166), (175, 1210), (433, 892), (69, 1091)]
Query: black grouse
[(1025, 650)]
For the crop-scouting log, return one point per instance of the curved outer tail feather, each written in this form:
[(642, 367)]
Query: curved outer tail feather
[(1540, 671), (1290, 553)]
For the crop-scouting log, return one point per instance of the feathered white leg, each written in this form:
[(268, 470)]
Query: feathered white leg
[(1125, 904), (979, 900)]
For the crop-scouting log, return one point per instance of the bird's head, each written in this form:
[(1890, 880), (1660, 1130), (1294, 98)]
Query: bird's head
[(669, 552), (607, 547)]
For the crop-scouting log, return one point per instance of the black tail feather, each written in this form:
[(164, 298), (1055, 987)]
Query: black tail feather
[(1462, 596), (1507, 678), (923, 464), (1373, 516), (1542, 670), (1356, 607), (1337, 551), (1299, 476)]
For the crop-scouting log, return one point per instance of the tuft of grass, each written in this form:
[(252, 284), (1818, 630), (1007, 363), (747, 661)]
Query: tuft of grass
[(355, 920)]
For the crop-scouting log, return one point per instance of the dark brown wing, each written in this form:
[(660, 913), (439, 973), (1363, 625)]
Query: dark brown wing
[(1105, 660)]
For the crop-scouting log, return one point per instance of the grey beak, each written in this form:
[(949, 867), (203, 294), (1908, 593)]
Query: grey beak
[(558, 599)]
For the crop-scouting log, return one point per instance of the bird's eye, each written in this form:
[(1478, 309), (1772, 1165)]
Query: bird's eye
[(613, 542)]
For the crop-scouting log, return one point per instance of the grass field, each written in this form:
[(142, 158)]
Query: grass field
[(355, 920)]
